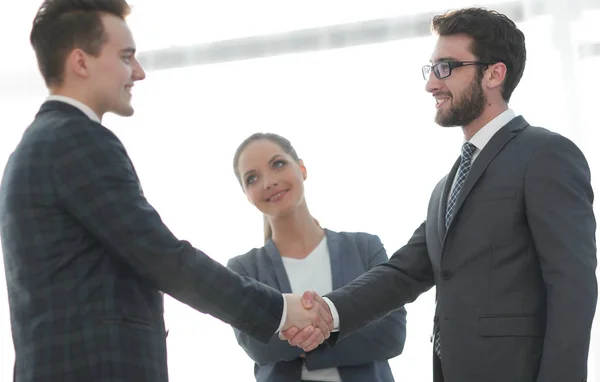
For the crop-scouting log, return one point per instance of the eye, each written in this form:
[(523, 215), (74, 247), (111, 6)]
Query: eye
[(126, 59), (250, 179), (279, 163)]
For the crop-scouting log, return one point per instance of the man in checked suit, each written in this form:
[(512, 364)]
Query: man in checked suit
[(509, 239), (86, 257)]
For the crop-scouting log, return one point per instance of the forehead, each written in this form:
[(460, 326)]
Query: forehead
[(456, 47), (258, 153), (118, 32)]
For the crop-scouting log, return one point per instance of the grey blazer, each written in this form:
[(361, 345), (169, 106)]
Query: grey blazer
[(363, 357), (514, 272)]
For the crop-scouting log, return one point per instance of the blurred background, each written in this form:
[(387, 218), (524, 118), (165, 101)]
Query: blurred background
[(340, 79)]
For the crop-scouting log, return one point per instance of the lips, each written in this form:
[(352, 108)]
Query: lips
[(275, 197), (441, 99)]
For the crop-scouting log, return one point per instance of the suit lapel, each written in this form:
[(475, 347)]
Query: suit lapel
[(280, 274), (489, 152), (337, 272)]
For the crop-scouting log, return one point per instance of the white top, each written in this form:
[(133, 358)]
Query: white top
[(313, 272)]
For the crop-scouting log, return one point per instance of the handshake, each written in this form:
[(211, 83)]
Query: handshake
[(308, 322)]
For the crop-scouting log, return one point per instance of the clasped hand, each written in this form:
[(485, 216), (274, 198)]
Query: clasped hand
[(308, 322)]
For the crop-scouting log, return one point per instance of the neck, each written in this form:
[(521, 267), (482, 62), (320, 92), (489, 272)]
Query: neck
[(489, 113), (78, 94), (296, 235)]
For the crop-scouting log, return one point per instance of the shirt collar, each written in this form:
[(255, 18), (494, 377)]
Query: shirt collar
[(483, 136), (79, 105)]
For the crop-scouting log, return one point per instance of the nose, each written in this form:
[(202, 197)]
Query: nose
[(433, 84), (270, 183), (138, 72)]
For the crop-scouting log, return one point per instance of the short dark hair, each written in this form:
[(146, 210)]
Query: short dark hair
[(496, 38), (63, 25)]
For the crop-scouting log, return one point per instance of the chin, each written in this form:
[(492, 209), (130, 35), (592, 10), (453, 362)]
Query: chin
[(445, 120), (124, 111)]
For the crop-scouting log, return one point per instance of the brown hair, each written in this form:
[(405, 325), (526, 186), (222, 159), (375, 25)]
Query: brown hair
[(496, 38), (63, 25), (278, 140)]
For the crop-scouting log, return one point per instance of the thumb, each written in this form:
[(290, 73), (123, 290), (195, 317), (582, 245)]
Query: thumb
[(308, 299)]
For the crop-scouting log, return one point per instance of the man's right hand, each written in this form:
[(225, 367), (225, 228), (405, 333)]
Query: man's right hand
[(309, 320)]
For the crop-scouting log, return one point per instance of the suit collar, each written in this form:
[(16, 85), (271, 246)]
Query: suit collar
[(335, 259), (280, 274), (333, 245), (53, 104), (78, 104), (485, 134), (489, 152)]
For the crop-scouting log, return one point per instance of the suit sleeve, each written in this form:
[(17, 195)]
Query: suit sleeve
[(378, 341), (276, 350), (558, 201), (97, 185), (385, 288)]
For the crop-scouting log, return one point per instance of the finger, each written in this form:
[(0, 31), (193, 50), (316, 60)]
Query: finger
[(302, 336), (289, 333), (325, 312), (324, 328), (322, 324), (308, 299), (313, 341)]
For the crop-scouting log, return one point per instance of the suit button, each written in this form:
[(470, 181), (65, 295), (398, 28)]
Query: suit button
[(446, 275)]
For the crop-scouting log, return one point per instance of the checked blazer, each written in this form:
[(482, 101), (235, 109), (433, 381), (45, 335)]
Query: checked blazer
[(86, 258)]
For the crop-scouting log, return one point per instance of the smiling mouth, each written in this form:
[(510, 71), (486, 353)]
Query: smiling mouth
[(440, 101), (277, 196)]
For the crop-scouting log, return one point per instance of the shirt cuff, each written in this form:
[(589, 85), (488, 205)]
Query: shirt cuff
[(334, 314), (283, 315)]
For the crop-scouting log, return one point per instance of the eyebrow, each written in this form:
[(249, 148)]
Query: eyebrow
[(275, 157), (445, 59), (129, 50), (270, 161)]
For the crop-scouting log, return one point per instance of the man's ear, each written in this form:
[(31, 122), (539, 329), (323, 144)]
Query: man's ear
[(77, 63), (495, 75)]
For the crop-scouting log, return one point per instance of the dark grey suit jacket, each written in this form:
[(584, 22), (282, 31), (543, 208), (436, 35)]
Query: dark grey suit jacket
[(363, 357), (514, 272), (86, 255)]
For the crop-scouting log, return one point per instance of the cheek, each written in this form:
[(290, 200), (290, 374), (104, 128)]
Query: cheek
[(253, 197)]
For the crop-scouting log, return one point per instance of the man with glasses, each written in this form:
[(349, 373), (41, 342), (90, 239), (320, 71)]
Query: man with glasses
[(509, 239)]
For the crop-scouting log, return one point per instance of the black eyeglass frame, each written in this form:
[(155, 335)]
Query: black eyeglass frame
[(427, 69)]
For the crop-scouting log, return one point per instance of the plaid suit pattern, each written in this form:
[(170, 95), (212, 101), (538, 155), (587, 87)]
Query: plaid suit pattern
[(86, 255)]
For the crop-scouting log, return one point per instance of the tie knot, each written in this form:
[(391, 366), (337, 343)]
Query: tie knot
[(467, 150)]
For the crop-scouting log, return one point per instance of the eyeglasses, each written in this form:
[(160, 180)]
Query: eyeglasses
[(443, 69)]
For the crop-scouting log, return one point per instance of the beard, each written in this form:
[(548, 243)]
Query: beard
[(468, 107)]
